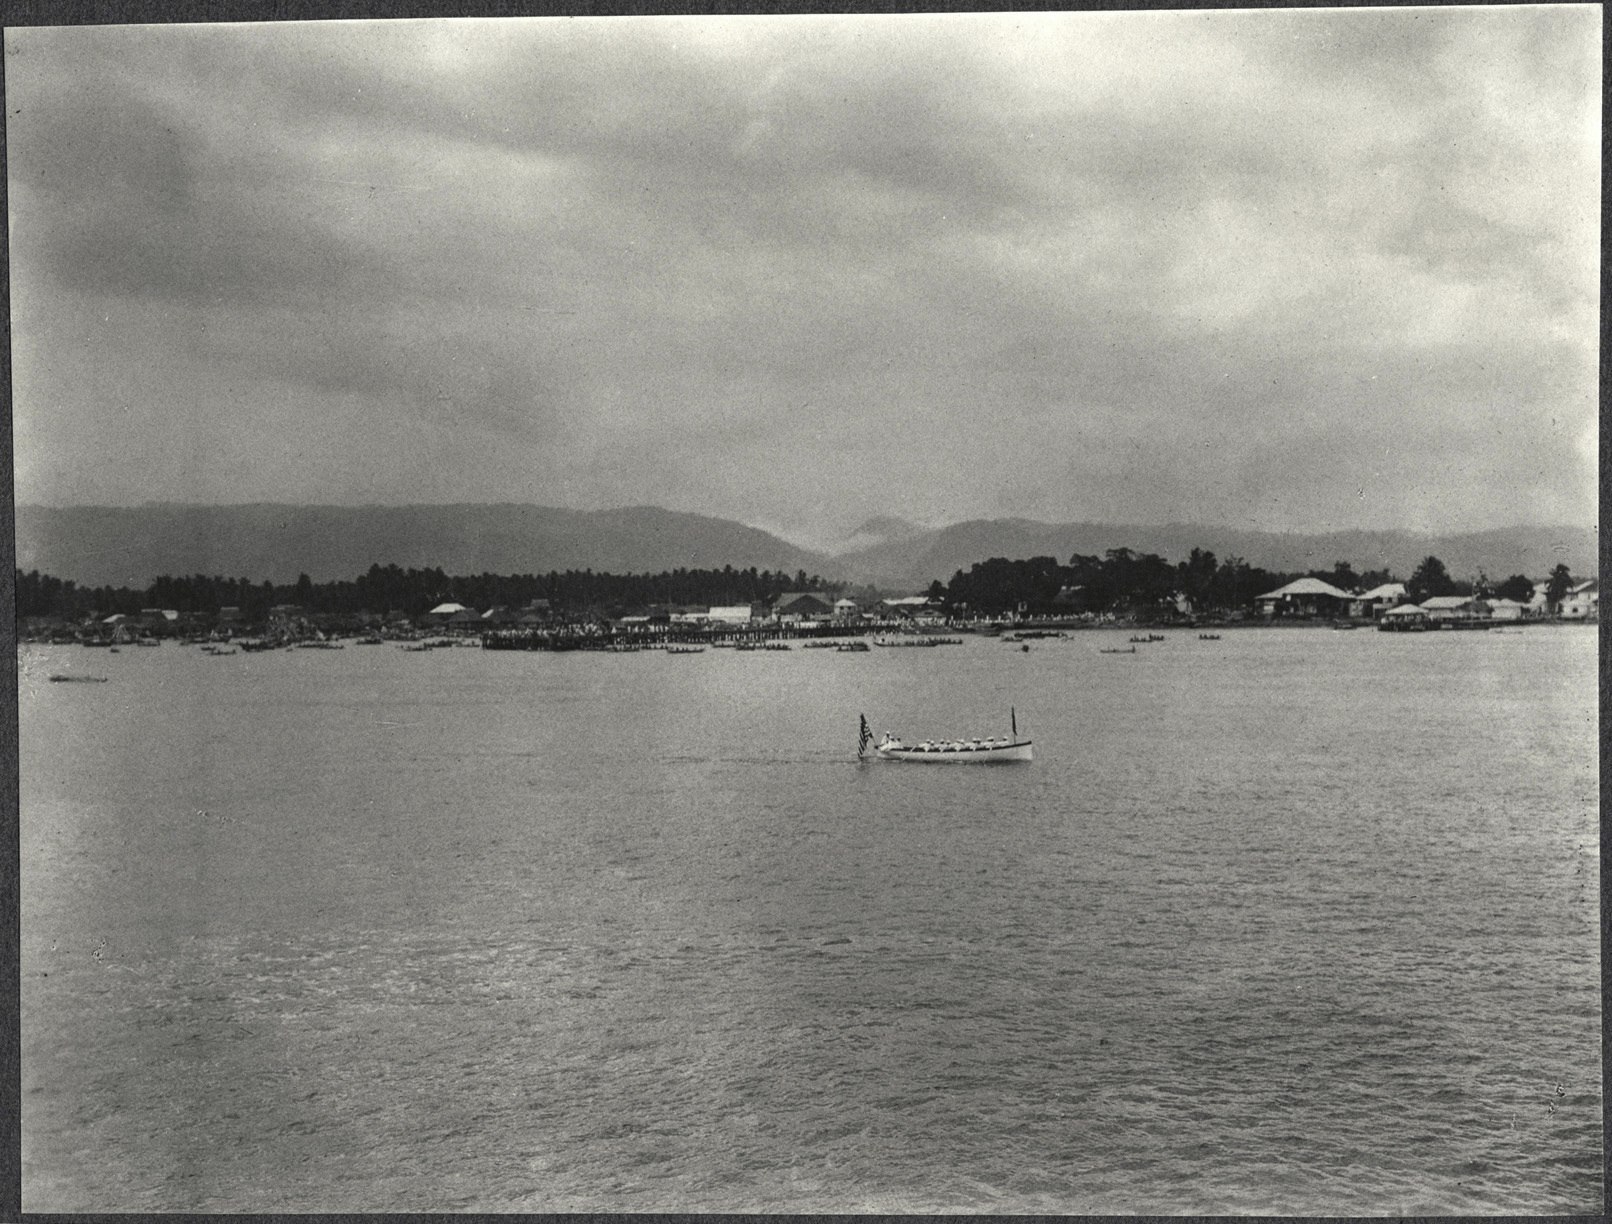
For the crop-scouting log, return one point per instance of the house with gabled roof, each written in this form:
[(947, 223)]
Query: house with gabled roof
[(1379, 599), (444, 612), (803, 605), (1583, 602), (1403, 616), (1304, 597)]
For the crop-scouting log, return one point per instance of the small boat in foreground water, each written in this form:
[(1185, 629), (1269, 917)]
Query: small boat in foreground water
[(951, 752)]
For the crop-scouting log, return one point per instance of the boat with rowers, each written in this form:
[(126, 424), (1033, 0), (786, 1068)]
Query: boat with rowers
[(953, 752)]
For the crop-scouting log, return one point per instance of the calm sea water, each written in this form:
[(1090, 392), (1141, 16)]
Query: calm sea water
[(1295, 922)]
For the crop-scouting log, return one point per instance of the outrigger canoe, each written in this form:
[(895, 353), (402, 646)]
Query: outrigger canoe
[(952, 752)]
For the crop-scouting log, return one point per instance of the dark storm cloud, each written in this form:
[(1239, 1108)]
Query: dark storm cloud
[(600, 262)]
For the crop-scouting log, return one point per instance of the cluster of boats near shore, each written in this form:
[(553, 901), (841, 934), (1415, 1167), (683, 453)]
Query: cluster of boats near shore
[(682, 640), (687, 643)]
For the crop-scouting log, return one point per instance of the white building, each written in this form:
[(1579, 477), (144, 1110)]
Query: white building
[(734, 614), (1305, 597), (1454, 607), (1583, 602), (912, 607), (445, 612), (1377, 600), (1404, 615)]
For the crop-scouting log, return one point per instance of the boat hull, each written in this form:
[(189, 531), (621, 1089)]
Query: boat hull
[(1001, 754)]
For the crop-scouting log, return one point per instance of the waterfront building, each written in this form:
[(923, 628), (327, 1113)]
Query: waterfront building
[(802, 605), (1583, 602), (1404, 616), (1454, 608), (444, 612), (1305, 597), (917, 608), (1378, 600)]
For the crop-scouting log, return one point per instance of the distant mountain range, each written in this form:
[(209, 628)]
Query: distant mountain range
[(918, 559), (130, 546)]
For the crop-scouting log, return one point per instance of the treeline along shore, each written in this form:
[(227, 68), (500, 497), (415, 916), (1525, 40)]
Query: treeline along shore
[(582, 606), (389, 589)]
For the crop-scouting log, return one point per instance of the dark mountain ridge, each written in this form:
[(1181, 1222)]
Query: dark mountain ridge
[(95, 545), (131, 546), (1528, 550)]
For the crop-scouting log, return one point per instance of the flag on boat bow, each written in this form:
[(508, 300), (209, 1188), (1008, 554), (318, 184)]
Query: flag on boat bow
[(864, 739)]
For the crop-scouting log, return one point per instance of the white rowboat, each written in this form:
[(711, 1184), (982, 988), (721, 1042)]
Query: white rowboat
[(955, 752), (948, 752)]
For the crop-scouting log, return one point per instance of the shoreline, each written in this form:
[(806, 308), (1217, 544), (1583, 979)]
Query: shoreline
[(766, 636)]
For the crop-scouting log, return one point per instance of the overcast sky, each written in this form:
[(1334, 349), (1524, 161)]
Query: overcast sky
[(1303, 270)]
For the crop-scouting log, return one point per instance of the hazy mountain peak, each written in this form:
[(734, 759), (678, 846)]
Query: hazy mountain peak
[(887, 525), (880, 529)]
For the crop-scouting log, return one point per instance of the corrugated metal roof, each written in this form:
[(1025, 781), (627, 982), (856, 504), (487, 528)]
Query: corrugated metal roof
[(1308, 586), (1388, 590), (796, 596)]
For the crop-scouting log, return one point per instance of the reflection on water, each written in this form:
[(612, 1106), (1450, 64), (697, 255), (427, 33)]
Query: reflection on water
[(1293, 922)]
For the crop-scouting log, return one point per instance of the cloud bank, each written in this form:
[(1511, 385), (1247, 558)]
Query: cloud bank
[(1304, 270)]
